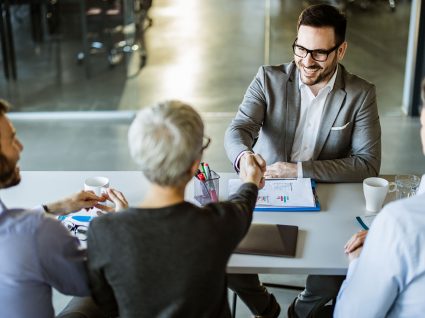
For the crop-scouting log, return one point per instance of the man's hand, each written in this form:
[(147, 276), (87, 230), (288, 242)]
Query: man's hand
[(282, 170), (355, 244), (75, 202), (115, 197), (252, 169), (354, 254)]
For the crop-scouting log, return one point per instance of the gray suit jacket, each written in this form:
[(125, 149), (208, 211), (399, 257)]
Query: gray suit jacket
[(348, 146)]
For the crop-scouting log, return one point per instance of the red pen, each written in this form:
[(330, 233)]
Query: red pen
[(205, 191), (201, 176)]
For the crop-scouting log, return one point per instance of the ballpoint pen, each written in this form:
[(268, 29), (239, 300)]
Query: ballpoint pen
[(210, 183), (207, 170), (203, 170), (204, 186)]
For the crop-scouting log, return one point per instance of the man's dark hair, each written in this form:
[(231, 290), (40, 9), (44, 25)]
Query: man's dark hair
[(324, 15), (4, 107)]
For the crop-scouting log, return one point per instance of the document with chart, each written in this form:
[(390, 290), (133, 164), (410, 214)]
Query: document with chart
[(283, 195)]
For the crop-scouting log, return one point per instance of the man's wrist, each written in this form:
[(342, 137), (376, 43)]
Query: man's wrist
[(300, 173), (238, 159), (53, 208), (46, 208)]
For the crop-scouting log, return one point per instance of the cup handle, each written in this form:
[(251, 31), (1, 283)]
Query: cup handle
[(392, 187)]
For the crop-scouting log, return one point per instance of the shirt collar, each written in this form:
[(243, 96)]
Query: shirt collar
[(329, 85)]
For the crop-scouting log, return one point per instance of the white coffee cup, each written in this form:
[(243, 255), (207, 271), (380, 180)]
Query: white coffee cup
[(96, 184), (375, 191)]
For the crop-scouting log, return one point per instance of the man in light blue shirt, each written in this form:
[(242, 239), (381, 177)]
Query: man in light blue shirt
[(36, 251), (386, 276)]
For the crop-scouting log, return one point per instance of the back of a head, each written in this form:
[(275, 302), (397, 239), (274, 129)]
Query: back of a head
[(165, 140), (324, 15)]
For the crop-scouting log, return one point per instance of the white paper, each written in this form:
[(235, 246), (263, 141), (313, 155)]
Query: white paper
[(282, 192)]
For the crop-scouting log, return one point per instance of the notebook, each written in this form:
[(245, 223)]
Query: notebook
[(269, 240)]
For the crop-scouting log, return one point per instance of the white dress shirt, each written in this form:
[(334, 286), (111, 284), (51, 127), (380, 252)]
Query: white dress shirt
[(308, 126), (388, 279)]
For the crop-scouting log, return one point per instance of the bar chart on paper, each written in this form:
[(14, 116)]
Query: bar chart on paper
[(283, 195)]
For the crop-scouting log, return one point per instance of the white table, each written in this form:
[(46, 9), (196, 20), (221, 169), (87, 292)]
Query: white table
[(321, 238)]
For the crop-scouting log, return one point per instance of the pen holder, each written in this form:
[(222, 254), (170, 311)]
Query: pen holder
[(207, 191)]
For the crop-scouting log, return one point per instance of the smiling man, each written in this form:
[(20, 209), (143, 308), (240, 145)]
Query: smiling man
[(36, 251), (308, 118)]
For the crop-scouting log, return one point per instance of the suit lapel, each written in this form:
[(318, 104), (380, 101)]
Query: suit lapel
[(293, 102), (332, 107)]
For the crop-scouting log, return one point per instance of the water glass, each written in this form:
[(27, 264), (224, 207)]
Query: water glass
[(406, 185)]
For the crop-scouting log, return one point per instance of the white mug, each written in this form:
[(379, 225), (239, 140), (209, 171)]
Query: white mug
[(96, 184), (375, 191)]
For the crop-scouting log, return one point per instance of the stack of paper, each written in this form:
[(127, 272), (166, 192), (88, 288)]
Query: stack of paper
[(283, 194)]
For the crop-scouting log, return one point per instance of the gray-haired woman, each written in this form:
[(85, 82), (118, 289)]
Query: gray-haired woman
[(167, 257)]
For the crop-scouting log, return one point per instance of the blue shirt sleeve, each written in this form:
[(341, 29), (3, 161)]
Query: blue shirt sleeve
[(62, 261), (376, 277)]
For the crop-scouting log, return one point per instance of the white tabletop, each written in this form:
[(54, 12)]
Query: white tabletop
[(322, 235)]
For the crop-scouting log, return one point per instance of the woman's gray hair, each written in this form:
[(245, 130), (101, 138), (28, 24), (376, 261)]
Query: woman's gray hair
[(165, 140)]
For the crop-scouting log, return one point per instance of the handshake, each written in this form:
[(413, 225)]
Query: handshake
[(252, 168)]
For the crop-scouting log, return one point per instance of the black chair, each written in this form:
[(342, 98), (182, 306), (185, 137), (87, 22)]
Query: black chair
[(38, 11), (105, 30)]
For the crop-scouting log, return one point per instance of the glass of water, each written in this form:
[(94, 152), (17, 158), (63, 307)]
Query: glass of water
[(406, 185)]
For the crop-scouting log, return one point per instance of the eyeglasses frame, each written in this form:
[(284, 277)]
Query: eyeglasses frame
[(327, 52), (206, 144)]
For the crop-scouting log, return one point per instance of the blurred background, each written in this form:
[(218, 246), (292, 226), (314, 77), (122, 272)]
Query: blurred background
[(76, 71)]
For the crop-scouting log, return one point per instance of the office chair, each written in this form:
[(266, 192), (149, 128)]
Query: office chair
[(108, 33), (364, 4)]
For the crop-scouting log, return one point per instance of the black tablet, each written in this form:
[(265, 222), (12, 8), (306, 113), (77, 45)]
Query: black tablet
[(270, 240)]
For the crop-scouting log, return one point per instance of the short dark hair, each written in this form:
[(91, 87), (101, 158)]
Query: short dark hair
[(324, 15), (4, 107)]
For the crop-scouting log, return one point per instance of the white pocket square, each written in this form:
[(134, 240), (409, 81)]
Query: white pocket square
[(340, 127)]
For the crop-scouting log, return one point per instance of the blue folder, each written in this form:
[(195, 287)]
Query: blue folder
[(315, 208)]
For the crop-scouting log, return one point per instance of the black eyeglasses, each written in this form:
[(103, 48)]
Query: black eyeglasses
[(205, 143), (317, 55)]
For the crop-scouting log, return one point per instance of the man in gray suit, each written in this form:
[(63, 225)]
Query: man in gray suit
[(309, 118)]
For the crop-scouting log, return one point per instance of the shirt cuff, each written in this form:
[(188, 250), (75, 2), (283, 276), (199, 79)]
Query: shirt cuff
[(300, 169), (238, 158), (38, 208), (352, 267)]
